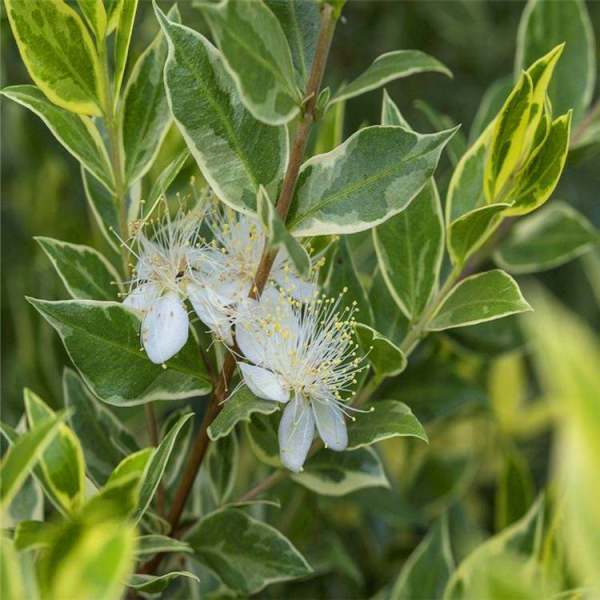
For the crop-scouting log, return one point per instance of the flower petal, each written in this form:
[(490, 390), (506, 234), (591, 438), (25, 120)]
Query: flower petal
[(210, 310), (142, 297), (296, 433), (250, 337), (263, 383), (165, 328), (331, 425), (295, 286)]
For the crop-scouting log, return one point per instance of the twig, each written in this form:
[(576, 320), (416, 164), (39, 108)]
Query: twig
[(201, 442)]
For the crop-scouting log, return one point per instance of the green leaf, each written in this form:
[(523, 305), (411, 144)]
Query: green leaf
[(410, 248), (30, 535), (235, 152), (465, 191), (87, 275), (179, 453), (62, 461), (23, 454), (27, 505), (145, 113), (78, 134), (339, 473), (262, 435), (514, 129), (343, 278), (544, 25), (385, 419), (390, 113), (388, 67), (148, 545), (515, 489), (87, 561), (257, 56), (163, 181), (12, 586), (102, 339), (330, 129), (279, 236), (457, 146), (103, 207), (427, 570), (158, 462), (104, 438), (246, 554), (385, 357), (125, 10), (541, 174), (470, 231), (59, 53), (300, 22), (95, 14), (479, 298), (239, 407), (522, 538), (369, 178), (155, 584), (222, 464), (546, 239)]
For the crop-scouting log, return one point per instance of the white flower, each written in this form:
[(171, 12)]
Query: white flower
[(226, 276), (302, 354), (165, 261)]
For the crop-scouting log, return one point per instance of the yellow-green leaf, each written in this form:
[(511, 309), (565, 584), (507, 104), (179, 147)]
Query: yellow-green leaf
[(95, 14), (125, 10), (59, 53)]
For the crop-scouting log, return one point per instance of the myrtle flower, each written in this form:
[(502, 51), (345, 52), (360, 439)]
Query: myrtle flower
[(301, 354), (166, 257), (227, 275)]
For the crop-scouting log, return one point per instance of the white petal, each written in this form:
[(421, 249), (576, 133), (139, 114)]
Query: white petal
[(263, 383), (210, 311), (296, 432), (331, 425), (295, 286), (142, 297), (165, 328), (251, 339)]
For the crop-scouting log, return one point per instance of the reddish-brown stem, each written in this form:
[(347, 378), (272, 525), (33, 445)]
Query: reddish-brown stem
[(201, 442)]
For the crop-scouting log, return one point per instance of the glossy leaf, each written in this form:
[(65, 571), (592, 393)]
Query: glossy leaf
[(388, 67), (59, 53), (235, 152), (300, 22), (102, 339), (257, 56), (103, 207), (339, 473), (410, 248), (365, 181), (158, 462), (78, 134), (86, 274), (148, 545), (385, 357), (155, 584), (470, 231), (479, 298), (239, 407), (125, 11), (427, 570), (279, 236), (385, 419), (145, 113), (104, 438), (546, 239), (222, 463), (544, 25), (95, 14), (25, 452), (541, 174), (62, 462), (12, 586), (246, 554)]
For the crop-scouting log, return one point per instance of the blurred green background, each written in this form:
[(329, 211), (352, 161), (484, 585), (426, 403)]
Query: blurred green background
[(41, 185)]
